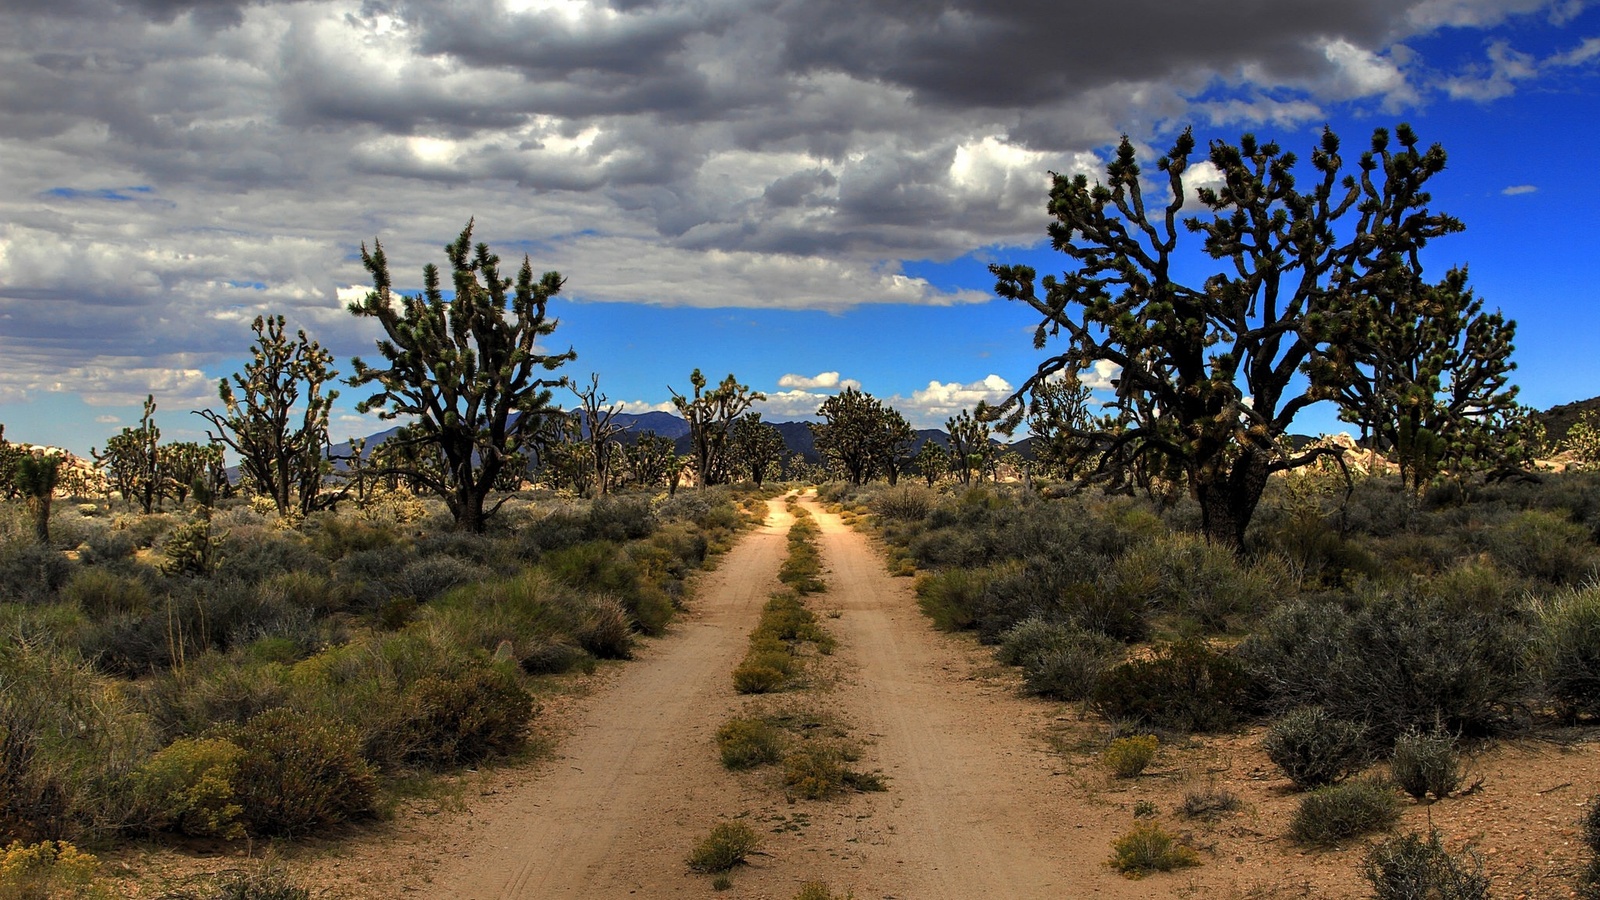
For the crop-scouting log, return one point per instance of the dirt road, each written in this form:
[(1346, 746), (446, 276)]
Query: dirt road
[(969, 811), (639, 781)]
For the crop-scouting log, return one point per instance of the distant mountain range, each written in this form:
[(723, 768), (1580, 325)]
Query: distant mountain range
[(796, 435)]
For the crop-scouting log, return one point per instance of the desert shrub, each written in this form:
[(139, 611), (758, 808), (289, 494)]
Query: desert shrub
[(103, 593), (1408, 867), (1150, 848), (762, 675), (904, 503), (106, 545), (1209, 803), (1543, 545), (602, 567), (1589, 825), (1315, 749), (462, 717), (336, 537), (551, 657), (1128, 757), (560, 527), (816, 770), (427, 578), (1186, 686), (305, 590), (1187, 575), (31, 572), (298, 773), (48, 870), (1061, 662), (1426, 763), (683, 543), (613, 518), (728, 844), (189, 787), (1569, 650), (68, 737), (1338, 812), (1397, 662), (254, 555), (746, 743), (212, 689), (950, 597)]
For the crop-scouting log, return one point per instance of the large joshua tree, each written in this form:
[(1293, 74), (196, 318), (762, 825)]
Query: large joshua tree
[(1212, 374), (469, 369)]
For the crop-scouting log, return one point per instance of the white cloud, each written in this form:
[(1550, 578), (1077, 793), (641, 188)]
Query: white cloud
[(1498, 79), (943, 399), (108, 420), (1360, 72), (639, 407), (1517, 189), (787, 405), (821, 380)]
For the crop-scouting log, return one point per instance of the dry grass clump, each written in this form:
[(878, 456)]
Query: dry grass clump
[(1128, 757), (728, 844), (1150, 848)]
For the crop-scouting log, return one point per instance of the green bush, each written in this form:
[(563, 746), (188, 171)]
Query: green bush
[(1338, 812), (1128, 757), (1186, 686), (464, 717), (1189, 576), (31, 572), (1398, 661), (68, 739), (950, 598), (905, 503), (728, 844), (1569, 650), (761, 676), (1427, 763), (102, 593), (816, 770), (1071, 669), (1315, 749), (298, 773), (1149, 848), (1543, 545), (189, 787), (746, 743), (1410, 868)]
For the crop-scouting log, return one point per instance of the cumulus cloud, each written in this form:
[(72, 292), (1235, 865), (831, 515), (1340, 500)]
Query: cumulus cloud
[(942, 399), (176, 167), (791, 404), (639, 407), (821, 380)]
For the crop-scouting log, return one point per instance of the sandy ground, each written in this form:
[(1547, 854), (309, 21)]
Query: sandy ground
[(990, 794)]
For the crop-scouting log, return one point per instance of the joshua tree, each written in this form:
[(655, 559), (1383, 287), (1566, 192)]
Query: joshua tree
[(969, 445), (862, 435), (710, 415), (653, 459), (1212, 374), (35, 477), (756, 446), (931, 462), (469, 368), (132, 460), (285, 460), (600, 431)]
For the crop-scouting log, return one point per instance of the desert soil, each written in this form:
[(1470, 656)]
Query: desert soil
[(990, 794)]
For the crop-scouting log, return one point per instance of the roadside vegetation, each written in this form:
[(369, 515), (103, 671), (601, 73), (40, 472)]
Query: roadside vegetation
[(293, 679)]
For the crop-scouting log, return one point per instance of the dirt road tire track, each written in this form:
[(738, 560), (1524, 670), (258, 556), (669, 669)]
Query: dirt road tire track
[(974, 806), (638, 783)]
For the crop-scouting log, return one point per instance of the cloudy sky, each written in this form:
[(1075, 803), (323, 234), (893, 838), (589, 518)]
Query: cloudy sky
[(802, 192)]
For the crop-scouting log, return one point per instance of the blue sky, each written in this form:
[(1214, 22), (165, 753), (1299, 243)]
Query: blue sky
[(806, 195)]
